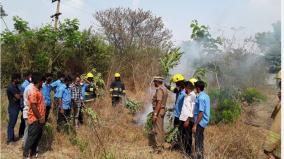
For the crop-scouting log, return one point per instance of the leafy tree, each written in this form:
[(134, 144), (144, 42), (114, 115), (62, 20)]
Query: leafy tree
[(270, 44)]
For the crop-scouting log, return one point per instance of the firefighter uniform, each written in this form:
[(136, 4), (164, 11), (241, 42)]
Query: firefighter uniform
[(117, 90)]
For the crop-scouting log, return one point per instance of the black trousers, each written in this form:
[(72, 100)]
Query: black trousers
[(34, 135), (115, 100), (22, 126), (62, 118), (199, 145), (186, 137)]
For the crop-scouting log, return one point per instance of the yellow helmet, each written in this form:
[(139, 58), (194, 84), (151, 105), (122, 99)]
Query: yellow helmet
[(278, 75), (116, 75), (90, 75), (178, 77), (193, 80)]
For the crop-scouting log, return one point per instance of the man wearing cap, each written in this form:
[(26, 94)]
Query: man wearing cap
[(159, 104)]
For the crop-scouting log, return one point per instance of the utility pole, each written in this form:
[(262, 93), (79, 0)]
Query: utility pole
[(3, 14), (57, 14)]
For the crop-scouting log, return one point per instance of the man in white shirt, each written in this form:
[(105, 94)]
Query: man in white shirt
[(25, 111), (186, 117)]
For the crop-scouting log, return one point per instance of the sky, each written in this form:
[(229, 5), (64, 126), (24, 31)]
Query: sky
[(248, 16)]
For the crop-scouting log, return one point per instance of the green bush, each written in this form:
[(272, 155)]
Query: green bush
[(149, 123), (227, 111), (133, 106), (251, 95), (172, 135)]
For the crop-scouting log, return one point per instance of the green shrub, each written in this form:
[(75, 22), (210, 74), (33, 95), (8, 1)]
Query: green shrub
[(172, 135), (251, 95), (133, 106), (227, 111), (149, 123)]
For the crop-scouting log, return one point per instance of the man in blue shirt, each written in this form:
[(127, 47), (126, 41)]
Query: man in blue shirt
[(201, 117), (26, 82), (64, 98), (14, 96), (46, 90), (55, 86)]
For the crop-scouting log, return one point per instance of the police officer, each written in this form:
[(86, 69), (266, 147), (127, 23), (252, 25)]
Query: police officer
[(272, 144), (159, 103), (117, 90)]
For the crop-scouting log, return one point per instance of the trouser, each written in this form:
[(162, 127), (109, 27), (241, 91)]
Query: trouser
[(26, 132), (55, 105), (63, 118), (186, 137), (47, 111), (78, 115), (34, 135), (22, 125), (159, 134), (199, 138), (115, 100), (13, 116)]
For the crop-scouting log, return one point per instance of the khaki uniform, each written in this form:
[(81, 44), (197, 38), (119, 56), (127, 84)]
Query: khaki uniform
[(159, 134), (273, 140)]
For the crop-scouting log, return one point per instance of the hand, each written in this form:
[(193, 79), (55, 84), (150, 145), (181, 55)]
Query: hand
[(186, 124), (155, 118), (194, 129), (42, 120), (61, 110)]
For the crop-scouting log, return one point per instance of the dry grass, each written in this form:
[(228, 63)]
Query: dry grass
[(117, 136)]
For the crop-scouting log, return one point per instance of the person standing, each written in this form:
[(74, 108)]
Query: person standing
[(201, 118), (159, 103), (117, 90), (26, 82), (272, 144), (64, 107), (46, 90), (14, 96), (77, 101), (89, 88), (55, 86), (36, 117)]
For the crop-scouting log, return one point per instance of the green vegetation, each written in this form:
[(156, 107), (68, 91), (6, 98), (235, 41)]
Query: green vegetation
[(148, 127), (225, 107), (172, 135), (251, 95), (170, 60), (133, 106)]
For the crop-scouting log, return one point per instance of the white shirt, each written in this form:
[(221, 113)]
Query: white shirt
[(188, 106), (26, 104)]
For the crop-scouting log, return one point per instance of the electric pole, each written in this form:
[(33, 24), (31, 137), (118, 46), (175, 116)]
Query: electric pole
[(3, 14), (57, 14)]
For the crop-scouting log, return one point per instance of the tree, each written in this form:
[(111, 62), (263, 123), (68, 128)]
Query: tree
[(126, 28), (270, 44)]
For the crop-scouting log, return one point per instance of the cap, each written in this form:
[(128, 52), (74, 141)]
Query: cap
[(158, 78)]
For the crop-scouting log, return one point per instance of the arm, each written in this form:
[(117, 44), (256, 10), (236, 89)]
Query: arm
[(35, 111)]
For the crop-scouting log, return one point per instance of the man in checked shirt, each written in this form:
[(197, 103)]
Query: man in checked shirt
[(77, 100)]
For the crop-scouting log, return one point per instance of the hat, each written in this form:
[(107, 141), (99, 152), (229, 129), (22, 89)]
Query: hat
[(158, 78)]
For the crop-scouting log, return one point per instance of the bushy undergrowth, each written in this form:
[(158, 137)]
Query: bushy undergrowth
[(225, 106), (133, 106), (149, 123), (251, 95)]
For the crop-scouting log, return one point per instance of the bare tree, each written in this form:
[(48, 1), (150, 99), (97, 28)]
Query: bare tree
[(126, 28)]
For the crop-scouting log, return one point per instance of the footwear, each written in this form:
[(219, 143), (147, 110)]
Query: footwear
[(10, 143)]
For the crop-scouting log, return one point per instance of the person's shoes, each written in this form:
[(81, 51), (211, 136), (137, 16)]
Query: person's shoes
[(10, 143)]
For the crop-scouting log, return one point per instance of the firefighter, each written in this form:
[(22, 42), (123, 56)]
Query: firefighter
[(272, 144), (117, 90), (89, 88)]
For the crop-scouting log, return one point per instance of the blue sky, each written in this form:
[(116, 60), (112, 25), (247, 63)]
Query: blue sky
[(221, 15)]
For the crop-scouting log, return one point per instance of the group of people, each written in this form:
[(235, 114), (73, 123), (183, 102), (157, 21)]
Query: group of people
[(33, 97), (191, 113)]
